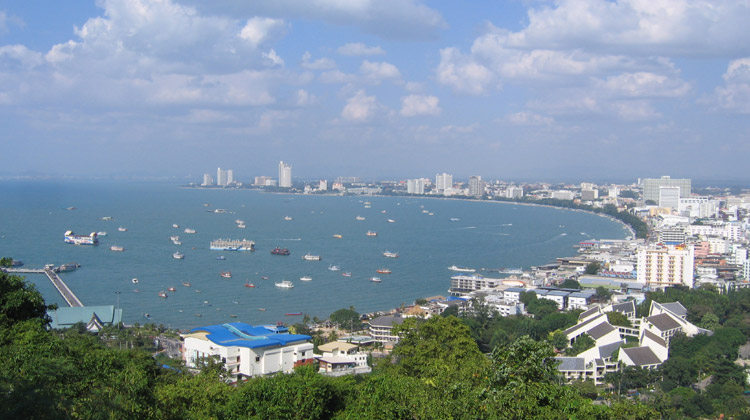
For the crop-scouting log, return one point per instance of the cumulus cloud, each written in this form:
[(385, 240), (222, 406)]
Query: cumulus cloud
[(462, 73), (644, 84), (19, 57), (272, 59), (258, 30), (735, 94), (413, 105), (305, 98), (319, 64), (359, 108), (336, 76), (379, 71), (358, 48), (528, 118)]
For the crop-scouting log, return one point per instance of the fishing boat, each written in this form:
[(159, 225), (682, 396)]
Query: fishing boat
[(163, 294), (454, 219), (186, 283), (334, 268), (360, 218), (175, 225), (285, 284), (249, 285), (293, 313), (262, 309), (122, 229), (233, 316), (383, 270), (116, 248), (347, 274), (134, 280), (226, 274), (171, 289), (375, 279), (391, 221), (310, 257), (102, 233), (305, 278), (264, 277), (221, 257), (178, 256), (390, 254), (337, 236), (280, 251), (188, 230), (371, 233), (288, 218)]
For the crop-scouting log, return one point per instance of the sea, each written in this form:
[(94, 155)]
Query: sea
[(429, 235)]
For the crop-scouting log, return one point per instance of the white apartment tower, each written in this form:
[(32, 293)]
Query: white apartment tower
[(476, 186), (285, 175), (443, 182), (651, 187), (669, 197), (207, 180), (415, 186), (221, 177), (230, 177), (665, 266)]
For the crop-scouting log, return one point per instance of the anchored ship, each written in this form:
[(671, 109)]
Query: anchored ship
[(232, 245), (71, 238)]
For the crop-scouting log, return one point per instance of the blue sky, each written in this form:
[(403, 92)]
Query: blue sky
[(573, 90)]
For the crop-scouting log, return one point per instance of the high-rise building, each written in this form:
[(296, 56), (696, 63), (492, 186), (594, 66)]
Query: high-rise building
[(285, 175), (665, 266), (514, 192), (207, 180), (476, 186), (651, 187), (415, 186), (221, 177), (230, 177), (443, 182), (589, 194), (669, 197), (323, 185)]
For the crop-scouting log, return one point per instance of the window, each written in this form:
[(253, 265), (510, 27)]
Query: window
[(257, 359), (303, 354)]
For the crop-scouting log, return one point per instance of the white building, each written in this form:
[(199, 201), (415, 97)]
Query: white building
[(285, 175), (342, 359), (207, 180), (323, 185), (443, 182), (247, 350), (589, 194), (381, 328), (563, 195), (698, 207), (230, 177), (415, 186), (476, 186), (514, 192), (221, 177), (463, 284), (669, 197), (651, 187), (665, 266)]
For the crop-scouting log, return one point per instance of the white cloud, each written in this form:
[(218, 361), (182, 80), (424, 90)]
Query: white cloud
[(272, 59), (459, 129), (258, 30), (414, 105), (635, 110), (305, 98), (529, 118), (735, 94), (644, 84), (376, 72), (19, 57), (336, 76), (462, 73), (360, 107), (358, 48), (319, 64)]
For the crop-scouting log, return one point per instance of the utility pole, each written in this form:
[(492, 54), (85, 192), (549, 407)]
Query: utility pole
[(117, 307)]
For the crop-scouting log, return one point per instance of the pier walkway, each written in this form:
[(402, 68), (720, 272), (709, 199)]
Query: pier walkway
[(60, 285)]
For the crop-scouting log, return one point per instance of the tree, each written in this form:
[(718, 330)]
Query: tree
[(20, 301), (602, 294), (592, 268), (6, 262), (709, 321), (347, 319), (581, 344), (523, 361), (618, 318), (559, 340)]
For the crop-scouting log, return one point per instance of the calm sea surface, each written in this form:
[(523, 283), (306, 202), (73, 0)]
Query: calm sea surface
[(33, 219)]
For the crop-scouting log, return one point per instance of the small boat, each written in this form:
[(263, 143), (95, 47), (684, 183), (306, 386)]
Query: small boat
[(117, 248), (293, 313), (186, 283), (177, 242), (425, 211), (359, 218), (198, 291), (122, 229), (430, 214), (249, 285), (280, 251), (174, 238), (198, 315), (264, 277), (382, 211), (337, 236), (462, 269), (175, 225), (233, 316), (305, 278), (288, 218), (134, 280), (371, 233), (334, 268), (239, 221), (390, 254), (178, 256), (226, 274), (241, 225), (391, 221), (221, 257), (285, 284), (262, 309), (375, 279), (171, 289), (383, 270), (188, 230), (108, 218), (310, 257), (455, 219), (147, 316), (163, 294), (347, 274), (102, 233)]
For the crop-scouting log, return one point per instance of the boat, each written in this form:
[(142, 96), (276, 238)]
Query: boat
[(347, 274), (241, 225), (65, 268), (17, 263), (163, 294), (262, 309), (116, 248), (147, 316), (430, 214), (177, 242), (375, 279), (293, 313), (178, 256), (334, 268), (102, 233), (285, 284), (382, 211), (221, 258), (305, 278), (122, 229), (390, 254), (71, 238), (226, 274), (425, 211), (371, 233), (288, 218), (359, 218), (337, 236), (310, 257), (186, 283), (280, 251), (239, 221), (171, 289), (233, 316), (134, 280), (198, 315), (219, 211), (383, 270), (455, 219), (249, 285), (391, 221), (174, 238), (232, 245), (188, 230), (175, 225), (264, 277), (462, 269), (108, 218)]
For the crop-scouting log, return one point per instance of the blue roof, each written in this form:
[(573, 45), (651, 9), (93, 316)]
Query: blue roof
[(65, 317), (239, 334)]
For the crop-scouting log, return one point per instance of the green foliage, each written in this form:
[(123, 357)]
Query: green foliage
[(602, 294), (19, 301), (570, 284), (581, 344), (6, 262), (559, 340), (592, 268), (618, 318), (586, 389), (347, 319)]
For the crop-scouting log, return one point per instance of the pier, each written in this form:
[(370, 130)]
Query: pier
[(60, 285)]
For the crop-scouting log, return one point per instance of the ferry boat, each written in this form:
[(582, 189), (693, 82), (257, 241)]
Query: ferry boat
[(171, 289), (305, 278), (390, 254), (163, 294), (232, 245), (65, 268), (178, 256), (186, 283), (334, 268), (134, 280), (117, 248), (359, 218), (226, 274), (310, 257), (285, 284), (347, 274), (122, 229), (375, 279), (71, 238), (462, 269), (383, 270), (188, 230), (371, 233), (337, 236), (280, 251)]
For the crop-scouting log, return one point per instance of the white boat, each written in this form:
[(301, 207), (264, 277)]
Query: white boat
[(305, 278), (108, 218), (359, 218), (391, 221), (174, 238), (134, 280), (175, 225), (122, 229), (178, 256), (241, 225), (177, 242), (287, 218), (188, 230), (334, 268), (382, 211), (310, 257), (462, 269), (285, 284), (390, 254), (117, 248), (101, 233), (455, 219), (371, 233), (375, 279)]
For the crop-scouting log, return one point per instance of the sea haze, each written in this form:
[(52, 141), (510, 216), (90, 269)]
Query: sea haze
[(33, 219)]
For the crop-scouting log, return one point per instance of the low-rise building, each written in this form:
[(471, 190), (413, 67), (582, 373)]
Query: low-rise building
[(342, 359), (381, 328)]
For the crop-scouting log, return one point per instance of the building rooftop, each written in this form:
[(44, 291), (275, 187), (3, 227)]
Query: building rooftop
[(624, 307), (239, 334), (606, 350), (663, 322), (571, 363), (642, 356), (65, 317), (655, 338), (337, 345), (386, 321), (601, 330)]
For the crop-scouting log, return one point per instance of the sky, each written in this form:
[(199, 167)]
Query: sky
[(518, 89)]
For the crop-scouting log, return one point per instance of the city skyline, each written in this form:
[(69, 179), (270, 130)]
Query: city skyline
[(598, 90)]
